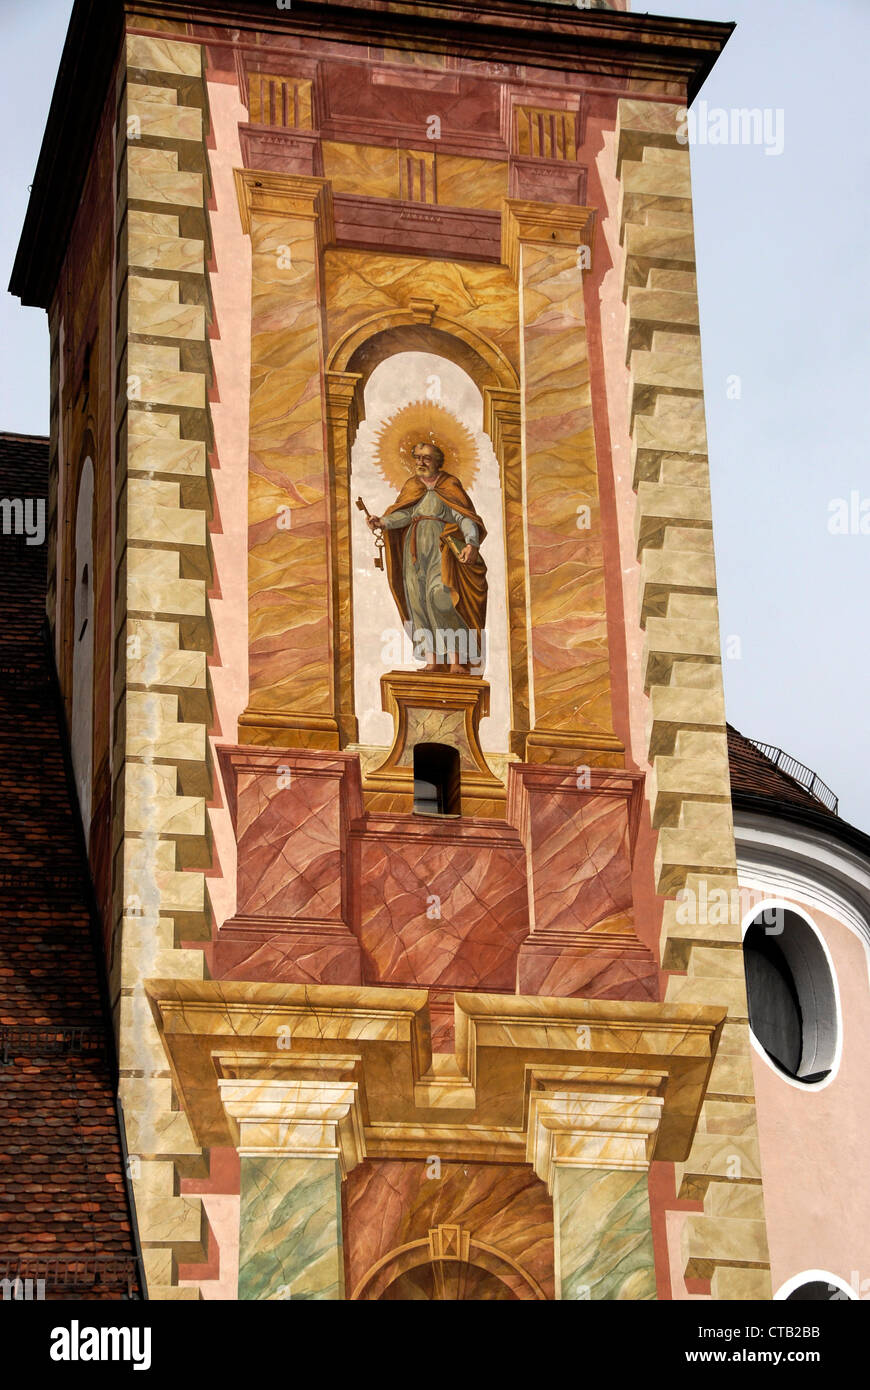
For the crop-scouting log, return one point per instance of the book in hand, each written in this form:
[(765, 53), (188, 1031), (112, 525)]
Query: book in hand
[(456, 545)]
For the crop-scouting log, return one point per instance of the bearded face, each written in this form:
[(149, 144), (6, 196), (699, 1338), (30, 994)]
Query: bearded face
[(428, 461)]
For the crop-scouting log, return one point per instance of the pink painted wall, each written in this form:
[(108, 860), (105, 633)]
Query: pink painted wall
[(814, 1142), (230, 281), (605, 313)]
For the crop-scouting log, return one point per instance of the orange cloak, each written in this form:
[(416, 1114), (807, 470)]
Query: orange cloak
[(466, 582)]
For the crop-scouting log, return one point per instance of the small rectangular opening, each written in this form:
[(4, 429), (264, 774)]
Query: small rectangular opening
[(437, 783)]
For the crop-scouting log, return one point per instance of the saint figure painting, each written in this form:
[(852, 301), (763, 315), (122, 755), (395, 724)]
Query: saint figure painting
[(433, 535)]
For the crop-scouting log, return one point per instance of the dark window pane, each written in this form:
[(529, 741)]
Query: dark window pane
[(816, 1291), (437, 789), (792, 1000)]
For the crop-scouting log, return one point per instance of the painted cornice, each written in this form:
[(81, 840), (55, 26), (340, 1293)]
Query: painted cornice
[(610, 44), (804, 861), (794, 813)]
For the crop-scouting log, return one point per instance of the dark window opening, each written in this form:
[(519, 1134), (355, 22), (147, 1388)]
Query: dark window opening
[(815, 1291), (774, 1007), (792, 1007), (436, 780)]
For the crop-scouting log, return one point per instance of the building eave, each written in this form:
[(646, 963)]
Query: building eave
[(781, 853), (519, 31), (821, 821), (80, 90)]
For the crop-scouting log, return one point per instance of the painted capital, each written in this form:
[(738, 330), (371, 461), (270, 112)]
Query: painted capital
[(590, 1139), (502, 416), (264, 193), (283, 1108), (592, 1124), (344, 401), (547, 224)]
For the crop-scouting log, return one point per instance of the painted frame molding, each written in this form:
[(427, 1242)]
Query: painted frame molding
[(795, 860)]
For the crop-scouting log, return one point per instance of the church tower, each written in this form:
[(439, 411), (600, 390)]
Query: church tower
[(379, 470)]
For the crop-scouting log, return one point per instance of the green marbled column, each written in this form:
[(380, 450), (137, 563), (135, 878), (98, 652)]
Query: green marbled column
[(603, 1233), (290, 1229)]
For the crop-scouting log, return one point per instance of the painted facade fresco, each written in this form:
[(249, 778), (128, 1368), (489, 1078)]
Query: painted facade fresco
[(418, 713)]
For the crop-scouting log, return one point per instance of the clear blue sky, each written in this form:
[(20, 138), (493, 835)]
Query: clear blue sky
[(782, 259)]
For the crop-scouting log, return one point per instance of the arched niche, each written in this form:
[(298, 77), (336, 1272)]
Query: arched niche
[(423, 329), (350, 365), (379, 642), (449, 1265), (82, 637)]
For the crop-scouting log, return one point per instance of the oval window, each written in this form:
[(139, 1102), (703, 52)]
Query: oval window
[(817, 1291), (816, 1286), (792, 1000)]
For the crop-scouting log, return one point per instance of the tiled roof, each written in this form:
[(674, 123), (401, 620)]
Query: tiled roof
[(753, 774), (63, 1206)]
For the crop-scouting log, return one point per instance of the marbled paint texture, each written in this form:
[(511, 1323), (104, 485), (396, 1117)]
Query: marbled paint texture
[(570, 661), (289, 579), (290, 1229), (391, 1204), (583, 939), (581, 869), (290, 862), (451, 913), (361, 284), (604, 1246)]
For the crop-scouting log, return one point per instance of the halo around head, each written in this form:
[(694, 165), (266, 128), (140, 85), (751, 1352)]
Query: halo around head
[(425, 422)]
